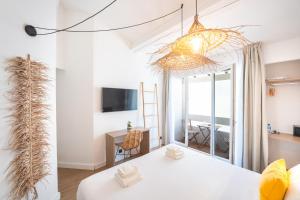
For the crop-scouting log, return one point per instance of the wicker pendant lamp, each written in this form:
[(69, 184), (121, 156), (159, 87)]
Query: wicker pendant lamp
[(192, 50), (185, 64), (201, 40)]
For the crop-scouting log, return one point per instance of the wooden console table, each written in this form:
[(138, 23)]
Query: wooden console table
[(111, 138), (285, 137), (285, 146)]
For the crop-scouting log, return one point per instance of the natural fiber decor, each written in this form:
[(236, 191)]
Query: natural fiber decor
[(193, 52), (201, 40), (182, 64), (29, 138), (132, 140), (176, 62)]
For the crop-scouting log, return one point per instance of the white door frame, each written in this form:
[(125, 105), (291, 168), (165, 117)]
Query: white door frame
[(232, 120)]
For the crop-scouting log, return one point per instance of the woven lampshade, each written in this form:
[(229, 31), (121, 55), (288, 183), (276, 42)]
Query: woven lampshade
[(201, 40), (184, 63), (192, 52)]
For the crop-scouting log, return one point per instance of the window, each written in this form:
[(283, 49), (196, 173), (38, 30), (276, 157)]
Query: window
[(209, 103)]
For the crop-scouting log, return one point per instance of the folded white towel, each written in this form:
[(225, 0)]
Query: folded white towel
[(130, 180), (173, 149), (177, 154), (127, 170)]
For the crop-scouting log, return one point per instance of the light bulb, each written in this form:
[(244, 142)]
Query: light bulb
[(196, 44)]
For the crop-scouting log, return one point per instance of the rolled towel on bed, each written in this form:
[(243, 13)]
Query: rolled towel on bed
[(174, 152), (127, 170), (128, 181)]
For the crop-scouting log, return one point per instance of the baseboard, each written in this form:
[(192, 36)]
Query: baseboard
[(75, 165), (56, 196), (99, 165), (85, 166)]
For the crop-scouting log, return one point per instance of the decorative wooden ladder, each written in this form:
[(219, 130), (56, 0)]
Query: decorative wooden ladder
[(153, 115)]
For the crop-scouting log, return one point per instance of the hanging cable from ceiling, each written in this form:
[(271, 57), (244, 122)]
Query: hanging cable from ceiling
[(32, 30), (78, 23)]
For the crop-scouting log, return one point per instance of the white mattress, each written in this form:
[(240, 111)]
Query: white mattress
[(194, 177)]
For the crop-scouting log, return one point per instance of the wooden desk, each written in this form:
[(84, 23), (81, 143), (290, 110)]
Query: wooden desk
[(111, 138), (285, 137), (285, 146)]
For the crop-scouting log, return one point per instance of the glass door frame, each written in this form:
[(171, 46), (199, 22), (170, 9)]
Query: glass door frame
[(185, 111), (232, 67)]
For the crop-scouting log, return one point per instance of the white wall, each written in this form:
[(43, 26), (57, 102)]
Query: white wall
[(281, 51), (283, 108), (14, 42), (115, 65), (74, 95), (92, 61), (60, 38)]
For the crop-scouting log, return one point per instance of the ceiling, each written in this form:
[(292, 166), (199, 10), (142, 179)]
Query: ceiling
[(128, 12), (277, 20)]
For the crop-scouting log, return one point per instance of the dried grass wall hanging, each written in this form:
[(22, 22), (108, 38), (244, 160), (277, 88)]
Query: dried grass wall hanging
[(29, 138)]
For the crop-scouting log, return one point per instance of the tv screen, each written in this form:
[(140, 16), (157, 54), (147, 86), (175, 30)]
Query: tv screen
[(117, 99)]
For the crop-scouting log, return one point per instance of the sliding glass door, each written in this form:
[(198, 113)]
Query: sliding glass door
[(199, 100), (209, 103), (223, 113)]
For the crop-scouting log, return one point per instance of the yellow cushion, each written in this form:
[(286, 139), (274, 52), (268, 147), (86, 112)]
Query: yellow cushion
[(274, 181)]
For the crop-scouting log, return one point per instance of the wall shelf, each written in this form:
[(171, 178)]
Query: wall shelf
[(282, 81)]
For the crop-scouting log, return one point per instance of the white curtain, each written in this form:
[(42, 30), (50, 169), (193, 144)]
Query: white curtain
[(255, 140), (167, 136)]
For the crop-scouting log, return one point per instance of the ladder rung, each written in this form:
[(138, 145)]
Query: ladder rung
[(155, 104)]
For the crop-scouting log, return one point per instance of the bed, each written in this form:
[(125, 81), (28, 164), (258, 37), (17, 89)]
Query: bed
[(195, 176)]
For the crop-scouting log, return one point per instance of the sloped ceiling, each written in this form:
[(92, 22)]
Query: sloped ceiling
[(127, 12), (277, 19)]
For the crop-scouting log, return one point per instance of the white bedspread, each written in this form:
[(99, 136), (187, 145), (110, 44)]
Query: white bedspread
[(194, 177)]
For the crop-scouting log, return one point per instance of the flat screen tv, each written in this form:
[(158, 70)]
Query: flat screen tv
[(117, 99)]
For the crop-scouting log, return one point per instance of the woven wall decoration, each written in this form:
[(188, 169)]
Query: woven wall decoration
[(29, 138)]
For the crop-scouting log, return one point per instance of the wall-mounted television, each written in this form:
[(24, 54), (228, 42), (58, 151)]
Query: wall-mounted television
[(118, 99)]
